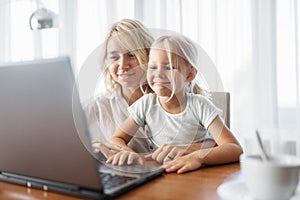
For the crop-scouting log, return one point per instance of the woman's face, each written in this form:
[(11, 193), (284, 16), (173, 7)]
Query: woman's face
[(123, 65)]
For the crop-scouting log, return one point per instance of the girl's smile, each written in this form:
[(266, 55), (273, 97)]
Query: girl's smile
[(161, 82)]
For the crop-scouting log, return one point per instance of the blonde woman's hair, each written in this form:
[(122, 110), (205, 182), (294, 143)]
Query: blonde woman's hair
[(183, 47), (135, 37)]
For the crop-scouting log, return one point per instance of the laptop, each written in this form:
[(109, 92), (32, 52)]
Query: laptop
[(45, 139)]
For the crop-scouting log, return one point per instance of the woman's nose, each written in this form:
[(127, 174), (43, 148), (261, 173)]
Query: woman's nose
[(123, 62)]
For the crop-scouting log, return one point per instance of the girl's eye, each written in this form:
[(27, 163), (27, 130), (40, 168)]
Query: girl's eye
[(169, 68), (131, 55), (152, 67)]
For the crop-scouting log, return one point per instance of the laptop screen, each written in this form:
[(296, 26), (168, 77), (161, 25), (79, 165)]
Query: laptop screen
[(38, 135)]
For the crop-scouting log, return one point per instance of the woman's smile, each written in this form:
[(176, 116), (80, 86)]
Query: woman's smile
[(124, 76)]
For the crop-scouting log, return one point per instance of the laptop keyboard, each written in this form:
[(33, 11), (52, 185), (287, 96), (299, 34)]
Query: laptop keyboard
[(111, 181)]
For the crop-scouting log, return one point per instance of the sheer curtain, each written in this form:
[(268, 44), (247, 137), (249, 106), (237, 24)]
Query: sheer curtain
[(18, 42), (254, 45)]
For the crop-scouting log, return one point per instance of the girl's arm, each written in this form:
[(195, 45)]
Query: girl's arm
[(120, 138), (124, 134), (227, 150)]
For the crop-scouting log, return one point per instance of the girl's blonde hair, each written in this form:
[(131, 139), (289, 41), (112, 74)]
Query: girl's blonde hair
[(180, 45), (134, 36)]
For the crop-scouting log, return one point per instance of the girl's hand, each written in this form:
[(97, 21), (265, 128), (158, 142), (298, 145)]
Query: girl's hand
[(166, 153), (125, 157), (184, 164), (107, 149)]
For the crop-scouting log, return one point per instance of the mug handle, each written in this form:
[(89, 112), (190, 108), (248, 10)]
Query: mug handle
[(30, 19)]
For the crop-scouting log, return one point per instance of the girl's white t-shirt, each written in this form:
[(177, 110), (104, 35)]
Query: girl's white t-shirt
[(187, 127)]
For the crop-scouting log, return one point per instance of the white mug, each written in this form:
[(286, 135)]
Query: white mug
[(275, 179)]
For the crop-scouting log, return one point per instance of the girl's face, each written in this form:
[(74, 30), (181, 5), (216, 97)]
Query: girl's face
[(123, 65), (162, 74)]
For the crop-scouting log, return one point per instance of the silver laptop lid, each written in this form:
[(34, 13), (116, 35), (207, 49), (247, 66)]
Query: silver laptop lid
[(38, 135)]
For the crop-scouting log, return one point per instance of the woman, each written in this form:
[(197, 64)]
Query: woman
[(123, 63)]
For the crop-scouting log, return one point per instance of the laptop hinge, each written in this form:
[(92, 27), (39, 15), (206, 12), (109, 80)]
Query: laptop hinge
[(35, 182), (51, 185)]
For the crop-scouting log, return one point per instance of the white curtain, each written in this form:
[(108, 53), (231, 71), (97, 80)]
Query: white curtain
[(254, 45)]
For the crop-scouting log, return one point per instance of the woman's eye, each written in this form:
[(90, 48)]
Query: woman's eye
[(114, 58)]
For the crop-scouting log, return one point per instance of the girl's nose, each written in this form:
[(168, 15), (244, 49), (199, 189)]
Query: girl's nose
[(159, 72)]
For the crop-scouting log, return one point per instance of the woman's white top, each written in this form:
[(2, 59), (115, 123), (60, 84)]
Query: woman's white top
[(187, 127), (106, 113)]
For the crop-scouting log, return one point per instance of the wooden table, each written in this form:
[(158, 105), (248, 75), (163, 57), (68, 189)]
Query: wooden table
[(200, 184)]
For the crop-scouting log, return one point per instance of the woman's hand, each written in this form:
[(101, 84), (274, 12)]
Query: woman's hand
[(166, 153), (107, 149), (125, 157), (184, 164)]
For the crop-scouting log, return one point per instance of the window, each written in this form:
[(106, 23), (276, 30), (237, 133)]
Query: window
[(19, 41)]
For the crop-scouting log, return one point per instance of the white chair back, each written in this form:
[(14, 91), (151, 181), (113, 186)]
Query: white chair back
[(222, 101)]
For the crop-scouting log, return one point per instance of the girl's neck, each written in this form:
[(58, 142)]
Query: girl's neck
[(175, 105)]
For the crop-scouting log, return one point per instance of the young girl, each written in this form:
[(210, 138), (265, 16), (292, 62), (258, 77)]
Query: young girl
[(173, 115)]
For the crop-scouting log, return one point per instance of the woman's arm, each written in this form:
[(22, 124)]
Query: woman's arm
[(105, 148), (167, 152)]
